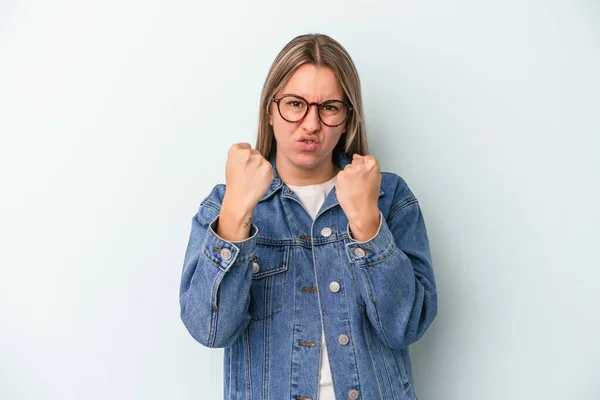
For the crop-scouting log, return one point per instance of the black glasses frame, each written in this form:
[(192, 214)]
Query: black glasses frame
[(319, 105)]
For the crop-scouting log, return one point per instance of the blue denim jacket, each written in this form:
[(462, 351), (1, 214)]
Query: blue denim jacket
[(266, 299)]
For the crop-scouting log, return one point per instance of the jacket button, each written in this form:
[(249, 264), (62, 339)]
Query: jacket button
[(343, 339), (225, 254), (334, 287), (358, 252), (255, 267), (353, 394), (326, 231)]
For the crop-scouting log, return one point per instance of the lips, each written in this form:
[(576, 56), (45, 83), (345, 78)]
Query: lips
[(309, 139)]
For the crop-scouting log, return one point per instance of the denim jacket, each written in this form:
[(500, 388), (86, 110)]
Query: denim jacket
[(267, 298)]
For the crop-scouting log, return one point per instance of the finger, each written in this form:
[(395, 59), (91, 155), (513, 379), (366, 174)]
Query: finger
[(369, 158), (244, 145), (357, 159)]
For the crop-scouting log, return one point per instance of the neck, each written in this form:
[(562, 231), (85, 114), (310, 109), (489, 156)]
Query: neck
[(292, 175)]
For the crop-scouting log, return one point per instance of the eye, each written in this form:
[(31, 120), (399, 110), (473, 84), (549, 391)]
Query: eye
[(294, 103), (330, 107)]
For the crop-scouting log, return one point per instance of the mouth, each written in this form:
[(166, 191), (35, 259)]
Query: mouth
[(308, 140), (308, 144)]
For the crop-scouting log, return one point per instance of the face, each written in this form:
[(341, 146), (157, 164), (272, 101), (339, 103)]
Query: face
[(315, 84)]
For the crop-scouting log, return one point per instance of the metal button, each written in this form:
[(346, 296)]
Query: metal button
[(334, 287), (255, 267), (225, 254), (353, 394), (358, 252), (326, 231), (343, 339)]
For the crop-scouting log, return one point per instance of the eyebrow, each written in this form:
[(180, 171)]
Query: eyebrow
[(304, 97)]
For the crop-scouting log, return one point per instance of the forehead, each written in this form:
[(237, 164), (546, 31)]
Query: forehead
[(313, 83)]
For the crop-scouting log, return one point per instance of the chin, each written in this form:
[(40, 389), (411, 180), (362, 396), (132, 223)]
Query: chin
[(306, 160)]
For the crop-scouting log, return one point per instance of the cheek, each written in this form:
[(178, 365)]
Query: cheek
[(334, 134), (283, 132)]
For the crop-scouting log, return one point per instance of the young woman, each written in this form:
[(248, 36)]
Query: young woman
[(310, 266)]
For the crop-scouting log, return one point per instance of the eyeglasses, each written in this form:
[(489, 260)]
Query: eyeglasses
[(293, 108)]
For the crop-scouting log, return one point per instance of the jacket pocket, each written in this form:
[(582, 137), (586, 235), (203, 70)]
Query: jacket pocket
[(269, 269), (401, 368)]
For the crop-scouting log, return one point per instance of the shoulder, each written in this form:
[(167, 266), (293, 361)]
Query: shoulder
[(397, 191), (215, 197)]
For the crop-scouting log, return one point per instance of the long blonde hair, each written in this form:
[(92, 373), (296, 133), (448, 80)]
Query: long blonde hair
[(322, 51)]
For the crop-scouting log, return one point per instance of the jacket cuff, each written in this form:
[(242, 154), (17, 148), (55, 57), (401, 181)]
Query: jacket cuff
[(373, 250), (378, 229), (224, 253)]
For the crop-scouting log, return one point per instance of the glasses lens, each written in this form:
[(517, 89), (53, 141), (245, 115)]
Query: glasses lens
[(333, 112), (292, 108)]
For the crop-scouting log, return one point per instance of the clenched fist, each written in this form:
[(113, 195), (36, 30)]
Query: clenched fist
[(248, 176), (357, 188)]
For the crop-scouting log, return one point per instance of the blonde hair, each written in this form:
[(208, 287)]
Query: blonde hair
[(322, 51)]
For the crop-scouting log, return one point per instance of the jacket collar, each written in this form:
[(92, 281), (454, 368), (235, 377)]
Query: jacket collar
[(340, 159)]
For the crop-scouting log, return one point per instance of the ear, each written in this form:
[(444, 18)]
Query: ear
[(270, 119)]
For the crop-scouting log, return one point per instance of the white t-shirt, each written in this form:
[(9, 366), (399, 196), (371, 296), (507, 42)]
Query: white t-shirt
[(313, 197)]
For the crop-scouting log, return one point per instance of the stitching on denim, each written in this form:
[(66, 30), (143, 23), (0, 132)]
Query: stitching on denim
[(266, 316), (208, 338), (357, 294), (387, 370), (305, 241), (372, 300), (248, 365), (215, 291), (403, 370), (401, 206), (242, 260), (209, 258), (389, 251), (269, 272), (231, 367), (212, 205), (269, 286), (266, 344), (398, 370), (214, 315), (284, 279), (373, 361), (368, 285)]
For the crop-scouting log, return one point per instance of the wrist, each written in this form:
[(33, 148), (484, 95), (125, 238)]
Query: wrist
[(366, 226), (236, 209)]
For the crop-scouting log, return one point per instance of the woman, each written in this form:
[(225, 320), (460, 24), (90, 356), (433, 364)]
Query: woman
[(310, 266)]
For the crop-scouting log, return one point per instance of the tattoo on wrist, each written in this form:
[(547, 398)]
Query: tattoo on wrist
[(247, 223)]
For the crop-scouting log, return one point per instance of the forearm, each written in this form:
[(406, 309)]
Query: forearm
[(234, 222)]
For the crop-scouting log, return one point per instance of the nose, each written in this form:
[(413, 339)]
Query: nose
[(311, 121)]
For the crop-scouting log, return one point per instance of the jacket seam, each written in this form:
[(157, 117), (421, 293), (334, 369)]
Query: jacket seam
[(401, 206), (369, 341), (388, 253), (387, 371), (372, 301), (212, 205)]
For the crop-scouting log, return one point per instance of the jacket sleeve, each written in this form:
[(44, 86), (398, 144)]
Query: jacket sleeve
[(217, 274), (396, 275)]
